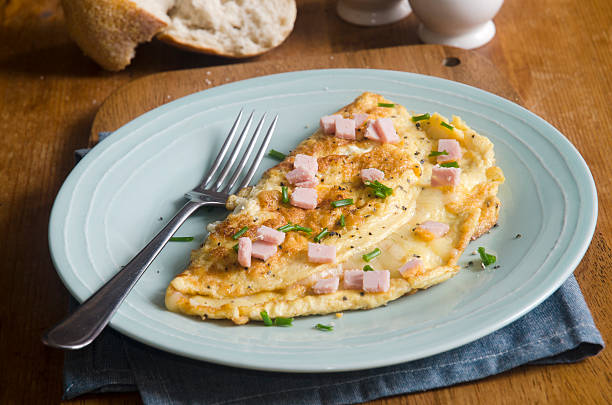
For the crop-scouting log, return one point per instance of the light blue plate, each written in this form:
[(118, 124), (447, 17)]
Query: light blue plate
[(111, 205)]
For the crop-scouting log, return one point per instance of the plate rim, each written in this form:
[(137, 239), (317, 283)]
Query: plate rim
[(65, 194)]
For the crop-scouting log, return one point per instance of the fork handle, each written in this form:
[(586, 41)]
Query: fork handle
[(82, 326)]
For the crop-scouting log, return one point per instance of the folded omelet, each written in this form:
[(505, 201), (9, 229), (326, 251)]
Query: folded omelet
[(216, 286)]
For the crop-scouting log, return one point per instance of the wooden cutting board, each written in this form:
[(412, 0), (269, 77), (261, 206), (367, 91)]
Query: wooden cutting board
[(144, 94)]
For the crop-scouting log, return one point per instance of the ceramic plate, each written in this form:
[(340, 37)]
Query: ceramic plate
[(122, 192)]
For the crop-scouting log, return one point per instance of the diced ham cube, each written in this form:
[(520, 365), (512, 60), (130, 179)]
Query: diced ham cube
[(318, 253), (328, 123), (376, 281), (451, 147), (412, 267), (437, 229), (270, 235), (299, 175), (386, 131), (360, 118), (306, 162), (353, 279), (326, 285), (303, 197), (310, 183), (371, 132), (372, 174), (245, 248), (345, 128), (445, 176), (263, 250)]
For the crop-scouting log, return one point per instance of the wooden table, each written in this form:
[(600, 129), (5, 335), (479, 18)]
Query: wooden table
[(556, 53)]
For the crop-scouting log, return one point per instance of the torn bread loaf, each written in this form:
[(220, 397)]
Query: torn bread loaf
[(109, 31)]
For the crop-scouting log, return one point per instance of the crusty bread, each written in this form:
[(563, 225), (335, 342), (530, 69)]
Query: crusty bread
[(109, 30)]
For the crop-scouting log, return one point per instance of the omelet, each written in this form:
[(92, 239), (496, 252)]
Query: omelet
[(216, 286)]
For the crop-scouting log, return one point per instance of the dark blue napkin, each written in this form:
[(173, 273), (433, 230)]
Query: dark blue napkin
[(560, 330)]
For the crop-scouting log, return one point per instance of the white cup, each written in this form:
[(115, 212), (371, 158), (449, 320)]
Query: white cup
[(372, 12), (465, 24)]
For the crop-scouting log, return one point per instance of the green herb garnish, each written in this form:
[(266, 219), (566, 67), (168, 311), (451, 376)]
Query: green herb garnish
[(266, 318), (445, 125), (388, 105), (240, 233), (321, 235), (274, 154), (236, 247), (379, 189), (325, 328), (342, 203), (367, 267), (435, 153), (280, 321), (181, 239), (342, 221), (369, 256), (449, 164), (286, 228), (302, 228), (487, 259), (418, 118), (285, 193)]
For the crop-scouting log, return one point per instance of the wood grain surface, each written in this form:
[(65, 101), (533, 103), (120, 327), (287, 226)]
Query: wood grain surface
[(557, 54)]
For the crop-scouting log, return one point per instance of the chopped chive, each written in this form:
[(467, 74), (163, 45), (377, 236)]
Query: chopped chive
[(324, 328), (435, 153), (369, 256), (274, 154), (367, 267), (449, 164), (422, 117), (285, 193), (388, 105), (342, 221), (286, 228), (280, 321), (240, 233), (379, 189), (321, 235), (181, 239), (342, 203), (445, 125), (487, 259), (235, 247), (302, 229), (266, 318)]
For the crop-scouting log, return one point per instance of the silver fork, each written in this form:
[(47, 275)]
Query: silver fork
[(85, 324)]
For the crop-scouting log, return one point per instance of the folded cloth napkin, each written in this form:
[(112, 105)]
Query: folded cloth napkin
[(560, 330)]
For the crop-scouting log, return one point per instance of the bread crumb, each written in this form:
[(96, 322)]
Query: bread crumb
[(339, 314), (208, 72)]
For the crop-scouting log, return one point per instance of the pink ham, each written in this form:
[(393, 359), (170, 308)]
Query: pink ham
[(303, 197), (310, 183), (360, 118), (328, 123), (372, 174), (353, 279), (345, 128), (412, 267), (386, 131), (445, 176), (451, 147), (299, 175), (376, 281), (437, 229), (262, 250), (326, 286), (245, 248), (371, 132), (270, 235), (306, 162), (318, 253)]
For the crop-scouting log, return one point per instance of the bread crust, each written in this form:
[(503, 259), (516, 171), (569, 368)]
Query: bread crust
[(108, 31)]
